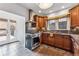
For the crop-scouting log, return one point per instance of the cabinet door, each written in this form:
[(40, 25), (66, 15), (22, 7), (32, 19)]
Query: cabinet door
[(51, 40), (59, 41), (45, 38), (40, 22), (44, 21), (67, 43), (74, 15), (77, 16), (37, 24)]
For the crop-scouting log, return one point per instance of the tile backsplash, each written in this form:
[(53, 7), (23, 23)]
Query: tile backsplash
[(75, 30)]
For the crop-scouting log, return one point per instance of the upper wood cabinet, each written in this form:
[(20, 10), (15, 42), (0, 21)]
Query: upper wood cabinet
[(74, 16), (40, 22)]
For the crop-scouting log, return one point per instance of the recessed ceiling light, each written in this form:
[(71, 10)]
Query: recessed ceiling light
[(39, 11), (63, 7)]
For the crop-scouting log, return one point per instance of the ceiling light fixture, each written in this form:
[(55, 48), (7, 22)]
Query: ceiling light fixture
[(39, 11), (63, 7), (45, 5)]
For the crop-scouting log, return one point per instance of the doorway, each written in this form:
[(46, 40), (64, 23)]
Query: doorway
[(7, 31)]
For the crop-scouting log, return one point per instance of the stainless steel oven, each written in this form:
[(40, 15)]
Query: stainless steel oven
[(32, 41)]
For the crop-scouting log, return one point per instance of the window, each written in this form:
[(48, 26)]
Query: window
[(52, 25), (62, 25)]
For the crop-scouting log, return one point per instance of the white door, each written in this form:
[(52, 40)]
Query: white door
[(7, 31)]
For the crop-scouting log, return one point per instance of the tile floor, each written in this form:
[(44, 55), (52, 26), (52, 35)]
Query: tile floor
[(15, 49)]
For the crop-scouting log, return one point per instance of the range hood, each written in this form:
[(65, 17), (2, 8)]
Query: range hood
[(29, 20)]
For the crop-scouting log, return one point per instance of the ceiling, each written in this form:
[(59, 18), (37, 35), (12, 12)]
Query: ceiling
[(54, 8)]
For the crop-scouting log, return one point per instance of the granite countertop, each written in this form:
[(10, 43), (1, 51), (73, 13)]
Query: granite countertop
[(76, 38)]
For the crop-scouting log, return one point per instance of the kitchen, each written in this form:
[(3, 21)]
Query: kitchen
[(55, 34), (39, 29)]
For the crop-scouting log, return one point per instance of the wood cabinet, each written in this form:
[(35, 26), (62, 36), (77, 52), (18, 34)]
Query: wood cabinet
[(40, 22), (74, 16), (57, 40), (44, 38), (67, 43), (51, 39)]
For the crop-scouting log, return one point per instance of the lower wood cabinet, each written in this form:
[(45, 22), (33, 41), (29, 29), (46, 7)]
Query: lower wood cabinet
[(67, 43), (44, 38), (51, 40), (58, 40)]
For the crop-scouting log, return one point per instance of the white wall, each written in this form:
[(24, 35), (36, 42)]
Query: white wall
[(20, 24), (14, 8)]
